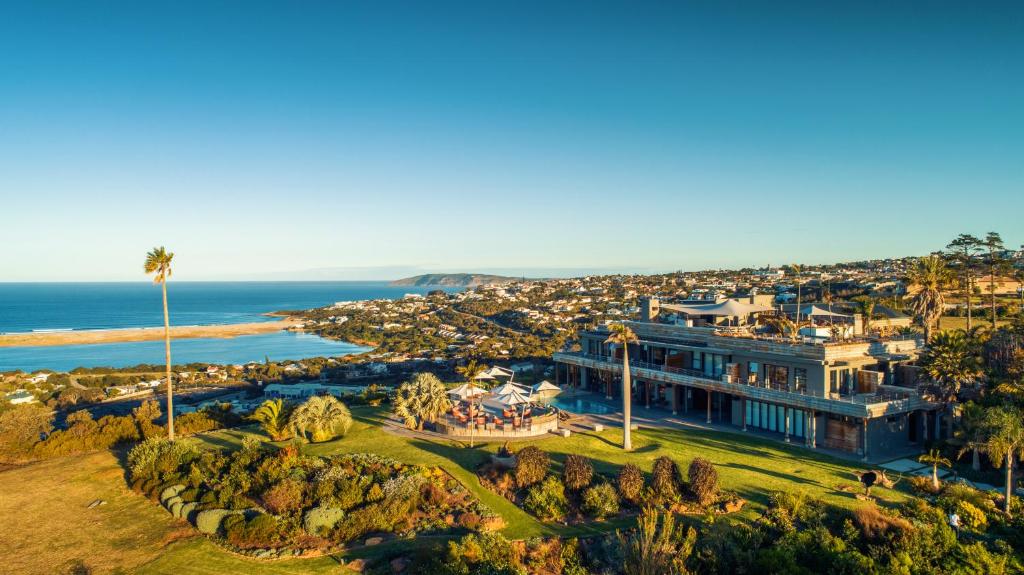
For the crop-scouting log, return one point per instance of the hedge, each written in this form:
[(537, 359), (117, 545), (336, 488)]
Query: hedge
[(321, 518)]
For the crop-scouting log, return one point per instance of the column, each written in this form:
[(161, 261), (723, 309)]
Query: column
[(743, 412), (585, 378), (675, 399), (608, 382), (864, 448), (710, 394), (814, 429), (647, 395), (686, 402)]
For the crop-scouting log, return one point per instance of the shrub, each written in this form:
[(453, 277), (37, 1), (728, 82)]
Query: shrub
[(284, 497), (261, 531), (577, 472), (320, 519), (703, 481), (209, 521), (158, 457), (600, 501), (631, 483), (547, 500), (531, 466), (971, 517), (187, 510), (877, 526), (172, 491), (665, 479), (922, 485)]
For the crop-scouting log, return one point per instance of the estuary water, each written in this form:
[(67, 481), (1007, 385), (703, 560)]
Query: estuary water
[(26, 307)]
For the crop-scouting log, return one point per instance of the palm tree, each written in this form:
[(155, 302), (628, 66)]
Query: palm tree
[(797, 270), (931, 275), (780, 323), (867, 309), (963, 250), (471, 371), (158, 261), (952, 360), (935, 459), (421, 399), (1004, 431), (273, 416), (321, 418), (657, 547), (622, 335), (972, 432)]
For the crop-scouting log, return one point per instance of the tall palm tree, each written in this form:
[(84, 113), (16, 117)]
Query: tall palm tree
[(470, 372), (421, 399), (931, 275), (622, 335), (971, 435), (158, 262), (273, 416), (1004, 431), (797, 270), (964, 251), (321, 418), (952, 360), (935, 459)]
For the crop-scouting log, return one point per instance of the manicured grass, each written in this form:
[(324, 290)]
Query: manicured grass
[(136, 535), (949, 323)]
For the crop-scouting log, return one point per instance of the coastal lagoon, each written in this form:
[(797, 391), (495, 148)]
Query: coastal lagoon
[(277, 346)]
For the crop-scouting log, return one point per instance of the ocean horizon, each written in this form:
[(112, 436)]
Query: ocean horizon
[(73, 306)]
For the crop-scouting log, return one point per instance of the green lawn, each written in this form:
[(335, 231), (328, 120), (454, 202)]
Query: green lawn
[(142, 538)]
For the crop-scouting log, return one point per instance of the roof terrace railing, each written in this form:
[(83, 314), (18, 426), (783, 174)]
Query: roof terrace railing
[(859, 399)]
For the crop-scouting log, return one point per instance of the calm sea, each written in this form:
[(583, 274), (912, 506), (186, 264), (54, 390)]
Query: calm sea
[(25, 307)]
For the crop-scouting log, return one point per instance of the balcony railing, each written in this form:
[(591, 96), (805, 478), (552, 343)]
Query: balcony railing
[(895, 400)]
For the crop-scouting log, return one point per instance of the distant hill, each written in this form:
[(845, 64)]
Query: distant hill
[(452, 280)]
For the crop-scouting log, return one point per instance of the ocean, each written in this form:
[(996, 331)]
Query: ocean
[(26, 307)]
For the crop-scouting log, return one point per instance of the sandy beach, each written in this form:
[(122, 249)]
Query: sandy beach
[(140, 334)]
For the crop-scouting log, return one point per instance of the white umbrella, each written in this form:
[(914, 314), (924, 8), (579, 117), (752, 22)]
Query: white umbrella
[(467, 390), (513, 398), (545, 386), (509, 388), (496, 371)]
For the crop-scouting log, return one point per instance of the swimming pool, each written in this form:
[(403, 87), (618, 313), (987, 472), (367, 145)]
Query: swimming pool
[(580, 405)]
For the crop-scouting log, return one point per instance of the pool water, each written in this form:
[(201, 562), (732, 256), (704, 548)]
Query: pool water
[(580, 405)]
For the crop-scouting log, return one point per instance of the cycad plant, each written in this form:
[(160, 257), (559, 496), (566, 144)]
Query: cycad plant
[(622, 335), (158, 262), (321, 418), (273, 416)]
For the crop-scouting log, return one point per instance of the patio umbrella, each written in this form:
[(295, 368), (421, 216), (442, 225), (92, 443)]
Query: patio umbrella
[(466, 391), (509, 388), (513, 398), (546, 387)]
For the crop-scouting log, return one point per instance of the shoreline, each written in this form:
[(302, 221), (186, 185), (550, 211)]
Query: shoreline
[(134, 334)]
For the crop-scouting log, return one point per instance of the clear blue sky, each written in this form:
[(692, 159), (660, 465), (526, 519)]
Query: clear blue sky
[(374, 139)]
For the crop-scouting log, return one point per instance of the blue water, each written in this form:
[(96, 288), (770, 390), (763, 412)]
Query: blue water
[(32, 306), (243, 349), (580, 405), (25, 307)]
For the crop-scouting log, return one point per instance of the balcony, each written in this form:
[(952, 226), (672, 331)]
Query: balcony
[(860, 406)]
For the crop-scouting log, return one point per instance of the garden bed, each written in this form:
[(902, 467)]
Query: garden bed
[(271, 503)]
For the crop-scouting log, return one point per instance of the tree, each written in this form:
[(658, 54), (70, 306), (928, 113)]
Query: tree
[(996, 263), (21, 427), (963, 251), (971, 435), (1004, 432), (577, 472), (531, 466), (931, 275), (657, 546), (158, 262), (935, 459), (867, 310), (470, 372), (953, 359), (703, 480), (421, 399), (273, 416), (321, 418), (631, 483), (622, 335), (797, 270)]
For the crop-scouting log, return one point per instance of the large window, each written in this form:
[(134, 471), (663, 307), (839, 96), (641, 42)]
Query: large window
[(771, 417), (778, 375), (697, 363), (753, 371)]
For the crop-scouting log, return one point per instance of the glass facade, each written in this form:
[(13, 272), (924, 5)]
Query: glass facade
[(771, 417)]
